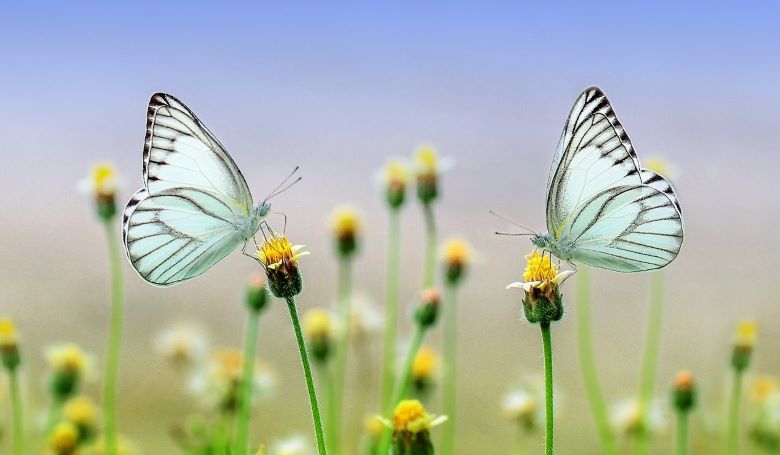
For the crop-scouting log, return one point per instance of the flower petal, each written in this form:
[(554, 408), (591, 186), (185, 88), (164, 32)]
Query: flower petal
[(526, 286), (561, 277)]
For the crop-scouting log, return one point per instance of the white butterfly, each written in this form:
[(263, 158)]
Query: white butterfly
[(603, 209), (195, 207)]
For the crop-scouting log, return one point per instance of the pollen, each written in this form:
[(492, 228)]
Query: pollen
[(278, 251), (345, 221), (427, 159), (104, 179), (457, 252), (410, 415), (539, 267)]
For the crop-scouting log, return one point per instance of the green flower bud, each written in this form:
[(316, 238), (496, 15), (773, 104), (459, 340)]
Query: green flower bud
[(428, 310), (256, 293)]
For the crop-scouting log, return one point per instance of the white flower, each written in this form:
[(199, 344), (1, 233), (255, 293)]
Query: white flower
[(293, 445), (182, 344), (366, 319), (217, 381), (626, 416)]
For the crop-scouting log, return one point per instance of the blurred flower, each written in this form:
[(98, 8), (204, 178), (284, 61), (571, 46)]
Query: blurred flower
[(428, 167), (366, 319), (457, 256), (82, 412), (102, 184), (182, 345), (522, 406), (293, 445), (394, 177), (684, 391), (763, 388), (318, 330), (744, 342), (64, 439), (764, 428), (542, 302), (374, 427), (428, 309), (661, 166), (345, 223), (279, 258), (218, 381), (256, 292), (424, 367), (627, 418), (69, 366), (9, 345), (411, 427)]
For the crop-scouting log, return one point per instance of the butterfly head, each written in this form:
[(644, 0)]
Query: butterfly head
[(262, 209), (541, 241)]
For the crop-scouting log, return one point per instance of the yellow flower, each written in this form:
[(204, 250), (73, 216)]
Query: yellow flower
[(425, 364), (103, 181), (81, 411), (411, 417), (374, 426), (318, 323), (763, 388), (277, 252), (395, 174), (540, 272), (457, 251), (70, 358), (345, 221), (64, 439), (8, 335), (426, 160), (746, 334)]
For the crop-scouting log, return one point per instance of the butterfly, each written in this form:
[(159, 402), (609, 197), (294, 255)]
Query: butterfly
[(603, 208), (195, 207)]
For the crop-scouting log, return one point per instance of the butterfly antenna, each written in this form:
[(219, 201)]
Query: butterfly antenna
[(512, 234), (512, 222), (283, 186)]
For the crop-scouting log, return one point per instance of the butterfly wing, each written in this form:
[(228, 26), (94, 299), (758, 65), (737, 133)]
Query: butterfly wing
[(194, 201), (177, 234), (609, 211)]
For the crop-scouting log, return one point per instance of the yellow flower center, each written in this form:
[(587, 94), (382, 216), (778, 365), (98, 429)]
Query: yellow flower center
[(68, 357), (763, 388), (230, 364), (345, 221), (81, 411), (424, 363), (410, 415), (7, 332), (396, 174), (277, 251), (427, 159), (539, 267), (64, 439), (104, 179), (317, 323), (746, 334), (457, 251)]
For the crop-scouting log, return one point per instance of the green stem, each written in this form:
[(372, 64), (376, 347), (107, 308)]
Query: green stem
[(16, 405), (339, 376), (402, 387), (114, 339), (682, 433), (326, 377), (736, 394), (315, 408), (650, 361), (55, 410), (430, 247), (247, 383), (391, 308), (450, 359), (588, 364), (548, 382)]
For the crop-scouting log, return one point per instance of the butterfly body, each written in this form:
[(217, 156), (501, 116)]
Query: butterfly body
[(603, 208), (195, 207)]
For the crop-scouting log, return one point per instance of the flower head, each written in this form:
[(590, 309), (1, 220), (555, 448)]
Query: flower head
[(256, 292), (627, 417), (64, 439), (218, 382), (318, 329), (279, 258), (374, 427), (521, 406), (542, 301), (395, 177), (428, 310), (457, 256), (428, 167), (744, 342), (183, 345), (102, 184), (411, 425), (684, 391), (9, 344), (424, 367), (763, 388), (345, 223), (82, 412)]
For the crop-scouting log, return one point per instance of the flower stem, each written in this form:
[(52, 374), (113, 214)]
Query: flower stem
[(344, 302), (315, 408), (588, 364), (247, 382), (391, 308), (736, 394), (650, 361), (402, 386), (114, 339), (16, 405), (430, 247), (450, 360), (682, 434), (548, 381)]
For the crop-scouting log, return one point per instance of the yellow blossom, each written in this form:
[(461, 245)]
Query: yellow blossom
[(373, 426), (277, 252), (425, 364), (457, 251), (318, 323), (763, 388), (395, 174), (8, 335), (64, 439), (103, 181), (411, 417), (68, 357), (81, 411), (746, 334), (539, 267), (345, 221), (426, 160)]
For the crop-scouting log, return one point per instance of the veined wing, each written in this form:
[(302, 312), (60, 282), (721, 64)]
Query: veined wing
[(594, 154), (628, 228), (179, 151), (177, 233), (658, 182)]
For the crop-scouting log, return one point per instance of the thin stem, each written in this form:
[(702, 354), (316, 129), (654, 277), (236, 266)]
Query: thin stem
[(326, 378), (588, 364), (247, 382), (339, 376), (114, 339), (682, 433), (315, 407), (736, 395), (16, 405), (548, 382), (430, 246), (450, 359), (650, 361), (402, 387), (55, 410), (391, 307)]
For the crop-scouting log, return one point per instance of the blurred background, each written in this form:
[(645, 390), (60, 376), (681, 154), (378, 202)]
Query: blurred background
[(338, 88)]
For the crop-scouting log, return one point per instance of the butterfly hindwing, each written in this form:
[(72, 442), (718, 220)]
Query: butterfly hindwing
[(177, 234)]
